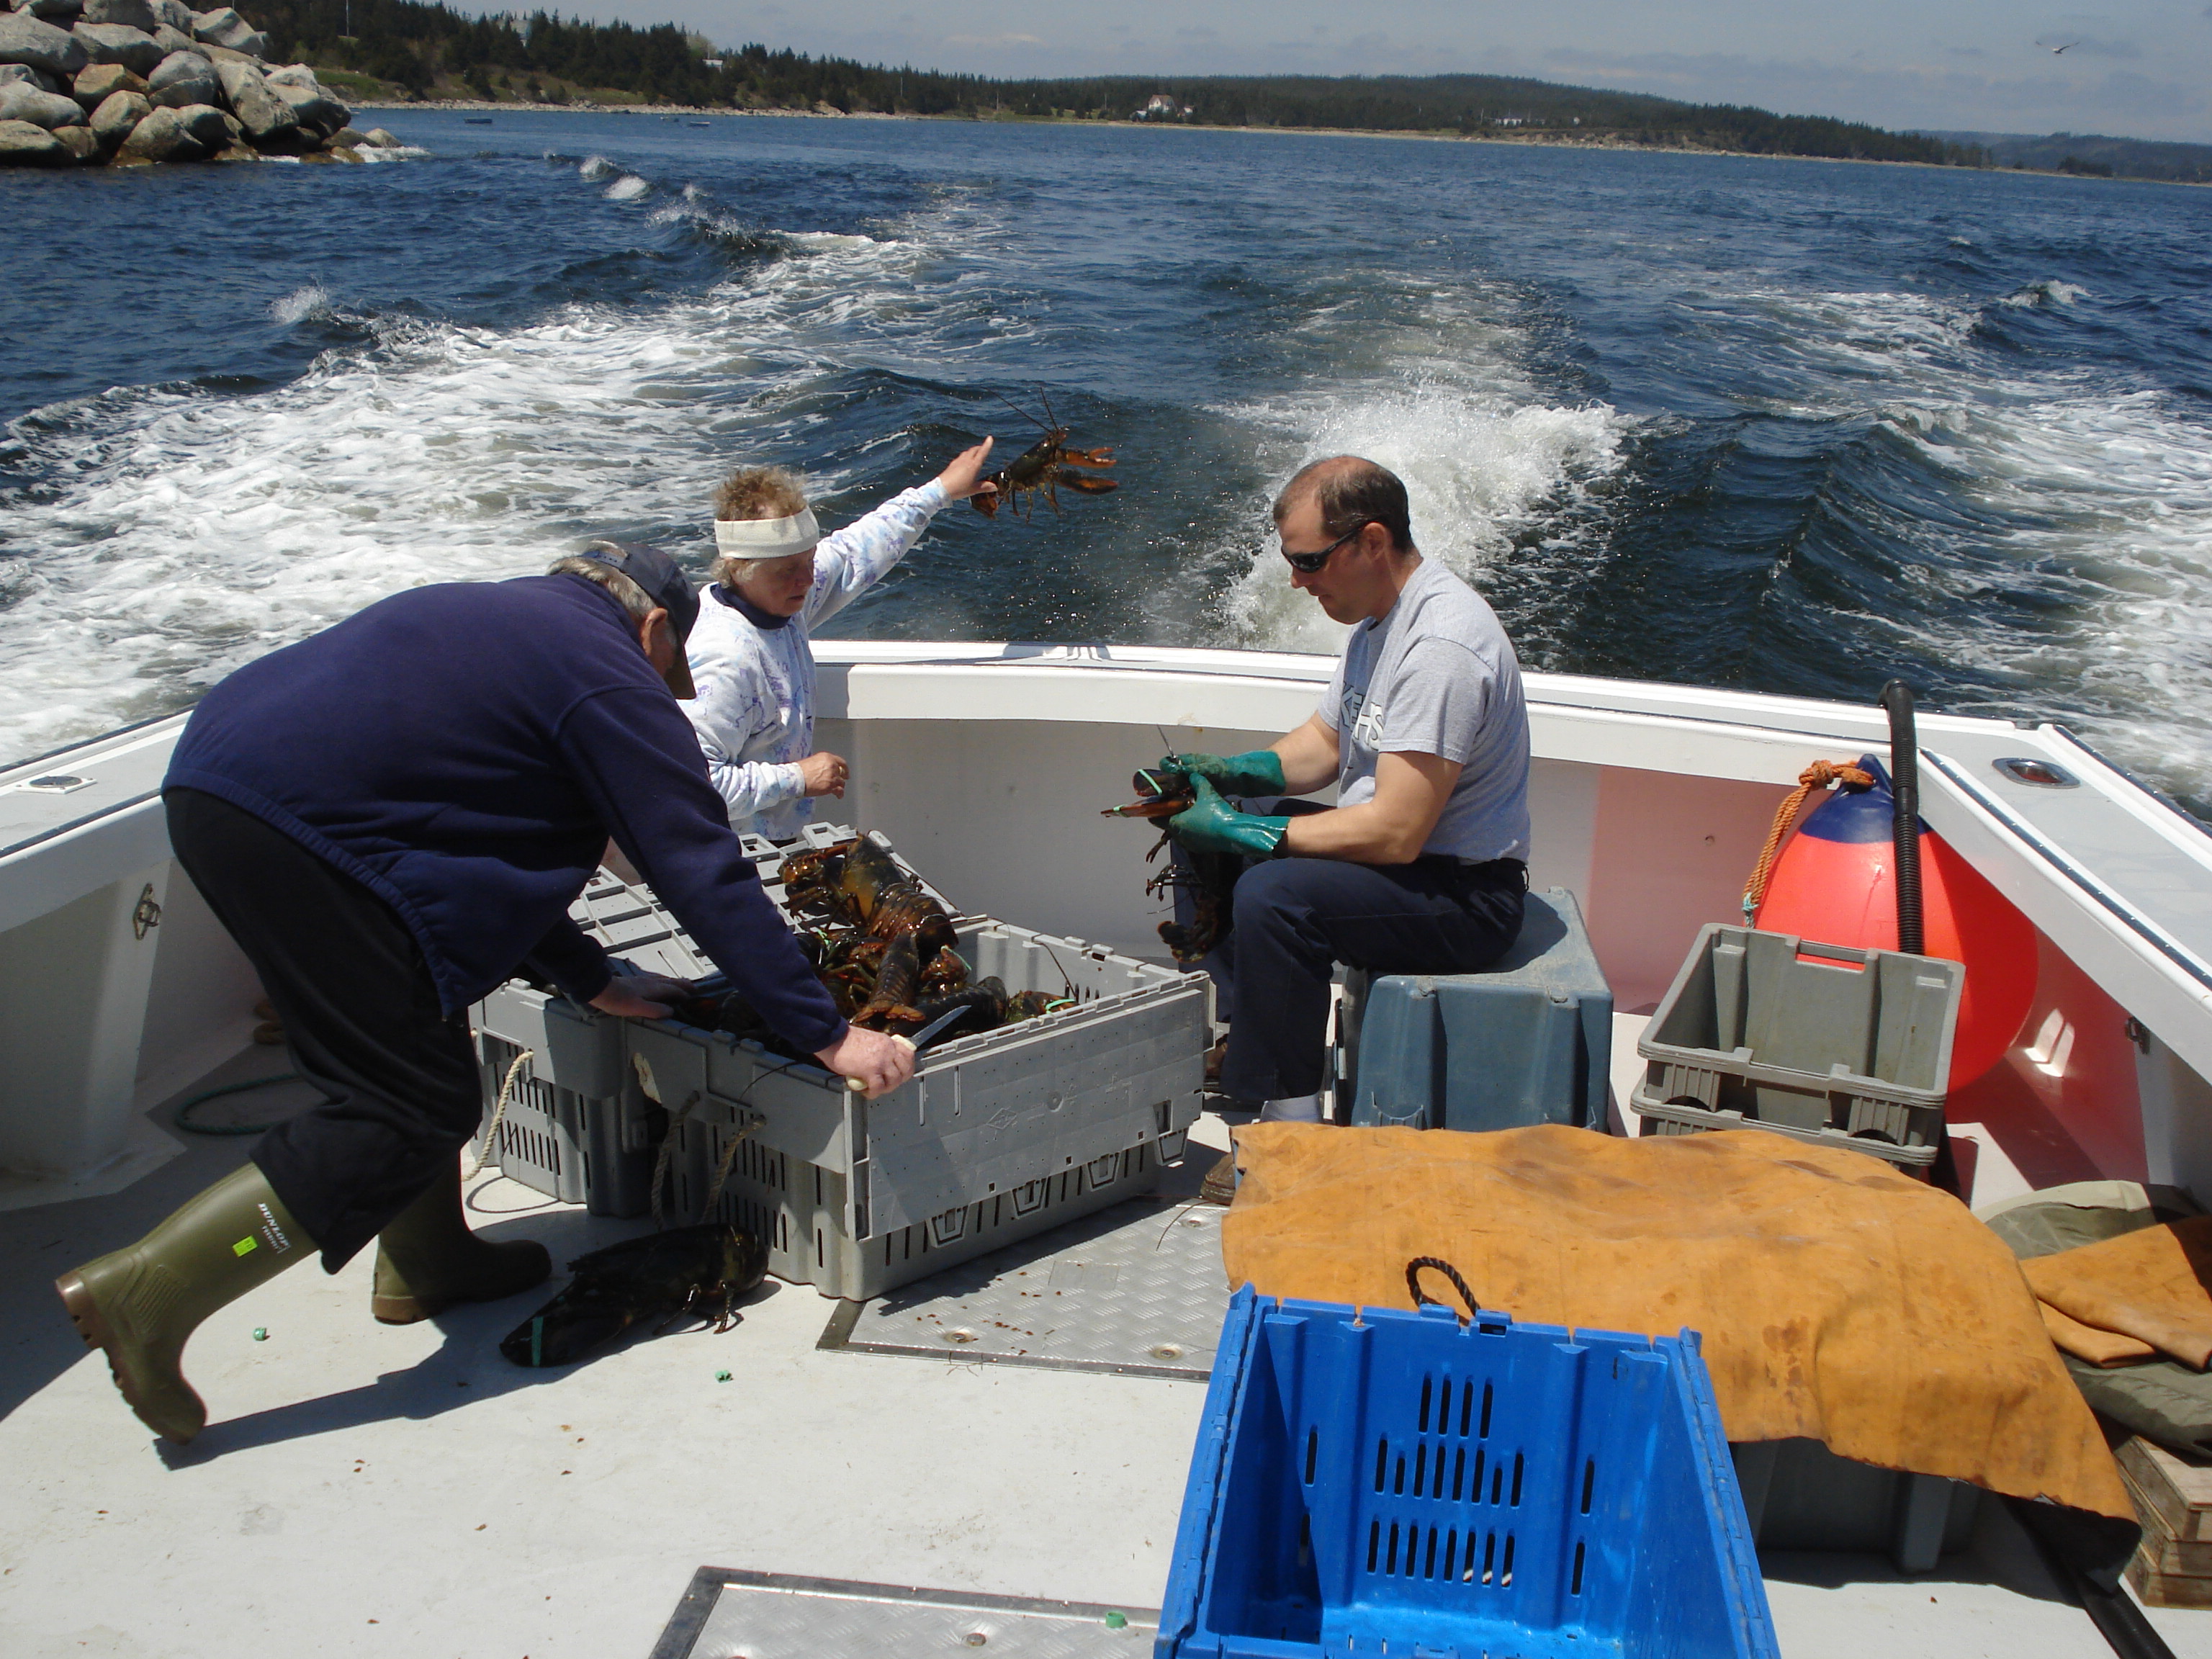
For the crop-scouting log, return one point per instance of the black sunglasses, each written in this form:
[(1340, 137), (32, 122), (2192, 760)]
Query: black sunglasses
[(1309, 564)]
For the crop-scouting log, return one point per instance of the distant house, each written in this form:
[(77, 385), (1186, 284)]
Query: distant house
[(1161, 107)]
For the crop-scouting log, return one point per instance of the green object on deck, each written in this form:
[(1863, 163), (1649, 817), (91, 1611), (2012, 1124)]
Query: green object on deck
[(721, 1376), (260, 1333), (1117, 1621)]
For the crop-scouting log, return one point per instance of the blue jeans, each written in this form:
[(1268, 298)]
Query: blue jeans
[(1298, 918)]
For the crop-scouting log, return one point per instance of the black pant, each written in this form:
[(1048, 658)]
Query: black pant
[(361, 1023), (1298, 918)]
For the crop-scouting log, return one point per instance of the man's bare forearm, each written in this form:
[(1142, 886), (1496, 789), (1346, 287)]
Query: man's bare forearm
[(1358, 835), (1308, 756)]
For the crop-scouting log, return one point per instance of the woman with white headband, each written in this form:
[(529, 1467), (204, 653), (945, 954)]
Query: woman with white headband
[(777, 579)]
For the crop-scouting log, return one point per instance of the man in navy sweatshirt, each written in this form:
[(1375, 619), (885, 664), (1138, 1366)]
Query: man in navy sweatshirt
[(391, 818)]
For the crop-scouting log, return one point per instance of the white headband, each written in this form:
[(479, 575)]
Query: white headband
[(766, 538)]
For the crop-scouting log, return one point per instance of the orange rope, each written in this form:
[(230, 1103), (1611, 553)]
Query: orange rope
[(1819, 775)]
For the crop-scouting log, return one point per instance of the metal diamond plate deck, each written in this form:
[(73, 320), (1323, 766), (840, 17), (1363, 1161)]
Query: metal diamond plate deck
[(1137, 1288), (729, 1614)]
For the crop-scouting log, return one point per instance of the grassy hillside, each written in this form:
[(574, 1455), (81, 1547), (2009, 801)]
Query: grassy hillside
[(2092, 153), (431, 51)]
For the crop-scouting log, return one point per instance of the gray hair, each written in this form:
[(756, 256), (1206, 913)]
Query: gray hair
[(632, 598), (755, 492)]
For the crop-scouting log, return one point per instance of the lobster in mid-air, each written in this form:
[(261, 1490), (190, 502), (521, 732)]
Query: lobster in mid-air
[(1045, 465)]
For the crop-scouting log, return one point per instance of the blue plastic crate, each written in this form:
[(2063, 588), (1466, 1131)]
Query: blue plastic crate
[(1528, 1040), (1381, 1483)]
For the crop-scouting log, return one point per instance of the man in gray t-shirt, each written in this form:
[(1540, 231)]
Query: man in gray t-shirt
[(1422, 865)]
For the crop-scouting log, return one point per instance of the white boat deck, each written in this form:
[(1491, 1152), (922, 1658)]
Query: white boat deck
[(370, 1490)]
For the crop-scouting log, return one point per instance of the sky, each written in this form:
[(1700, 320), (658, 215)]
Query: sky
[(2136, 68)]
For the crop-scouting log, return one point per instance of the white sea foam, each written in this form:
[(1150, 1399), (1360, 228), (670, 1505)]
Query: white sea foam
[(629, 188), (2048, 292), (1437, 392), (188, 531), (301, 304), (1477, 471), (597, 167), (824, 241), (2112, 498), (2094, 508)]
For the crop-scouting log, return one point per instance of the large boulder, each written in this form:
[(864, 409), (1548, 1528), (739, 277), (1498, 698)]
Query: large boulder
[(42, 109), (61, 12), (96, 85), (313, 108), (213, 129), (24, 143), (175, 41), (267, 119), (24, 75), (160, 137), (116, 43), (379, 139), (131, 14), (182, 79), (173, 13), (119, 112), (26, 39), (223, 27), (80, 143)]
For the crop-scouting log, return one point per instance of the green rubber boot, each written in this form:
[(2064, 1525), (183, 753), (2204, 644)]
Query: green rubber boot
[(140, 1304), (428, 1259)]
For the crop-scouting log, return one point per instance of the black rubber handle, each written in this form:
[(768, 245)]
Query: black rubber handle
[(1905, 825)]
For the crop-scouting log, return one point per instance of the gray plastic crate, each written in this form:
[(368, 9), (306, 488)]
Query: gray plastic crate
[(1525, 1041), (593, 1149), (576, 1128), (1000, 1135), (1822, 1043), (804, 1211), (1798, 1495)]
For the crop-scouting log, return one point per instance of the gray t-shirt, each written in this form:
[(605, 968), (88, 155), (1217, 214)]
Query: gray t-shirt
[(1437, 676)]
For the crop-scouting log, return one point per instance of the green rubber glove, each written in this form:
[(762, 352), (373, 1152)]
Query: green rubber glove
[(1211, 824), (1257, 772)]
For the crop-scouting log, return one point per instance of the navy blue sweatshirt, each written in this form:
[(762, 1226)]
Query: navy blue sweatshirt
[(465, 751)]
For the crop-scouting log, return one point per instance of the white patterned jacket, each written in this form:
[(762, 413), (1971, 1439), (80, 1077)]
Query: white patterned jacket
[(754, 710)]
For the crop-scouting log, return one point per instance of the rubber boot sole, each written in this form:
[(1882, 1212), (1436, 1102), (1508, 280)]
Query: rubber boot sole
[(92, 1325)]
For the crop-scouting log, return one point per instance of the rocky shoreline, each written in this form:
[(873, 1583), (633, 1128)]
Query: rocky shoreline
[(137, 82)]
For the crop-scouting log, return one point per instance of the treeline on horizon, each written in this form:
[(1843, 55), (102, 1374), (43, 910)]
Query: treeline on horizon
[(431, 50)]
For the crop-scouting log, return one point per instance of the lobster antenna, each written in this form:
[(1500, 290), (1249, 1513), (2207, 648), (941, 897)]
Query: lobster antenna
[(1019, 410), (1050, 415)]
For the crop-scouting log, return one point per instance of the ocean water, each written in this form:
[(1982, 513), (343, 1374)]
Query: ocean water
[(1777, 425)]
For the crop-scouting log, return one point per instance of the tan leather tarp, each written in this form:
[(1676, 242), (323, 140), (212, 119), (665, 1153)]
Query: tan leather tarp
[(1837, 1299), (2148, 1284), (2107, 1348)]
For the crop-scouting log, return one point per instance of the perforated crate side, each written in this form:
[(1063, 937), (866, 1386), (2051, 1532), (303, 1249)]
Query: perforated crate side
[(808, 1215), (591, 1148), (1662, 1117), (1376, 1481), (986, 1114), (538, 1139)]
